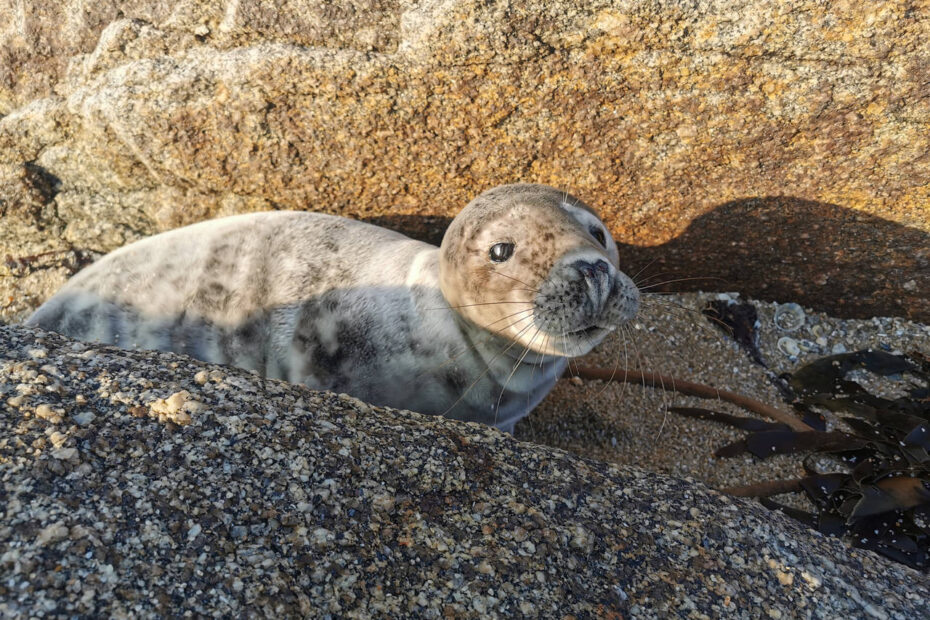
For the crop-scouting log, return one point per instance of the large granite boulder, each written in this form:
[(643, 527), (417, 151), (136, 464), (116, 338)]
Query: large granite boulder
[(779, 145), (144, 483)]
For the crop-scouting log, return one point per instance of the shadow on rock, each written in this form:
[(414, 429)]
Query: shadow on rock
[(831, 258)]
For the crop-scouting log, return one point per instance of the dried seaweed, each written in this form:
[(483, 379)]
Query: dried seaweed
[(882, 501), (739, 320)]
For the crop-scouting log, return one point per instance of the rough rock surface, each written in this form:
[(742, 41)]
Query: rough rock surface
[(779, 145), (142, 483)]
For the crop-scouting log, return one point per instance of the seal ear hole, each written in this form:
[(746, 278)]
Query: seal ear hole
[(598, 234), (500, 252)]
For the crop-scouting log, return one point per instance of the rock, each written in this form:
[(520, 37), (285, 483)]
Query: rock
[(779, 145), (401, 515)]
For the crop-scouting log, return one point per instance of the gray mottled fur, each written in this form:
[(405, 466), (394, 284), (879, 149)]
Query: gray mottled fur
[(345, 306)]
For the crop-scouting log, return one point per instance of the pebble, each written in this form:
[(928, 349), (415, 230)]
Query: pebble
[(175, 408), (15, 401), (45, 412), (65, 454), (52, 534), (83, 418)]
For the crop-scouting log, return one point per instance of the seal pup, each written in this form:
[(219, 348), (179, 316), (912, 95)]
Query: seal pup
[(478, 329)]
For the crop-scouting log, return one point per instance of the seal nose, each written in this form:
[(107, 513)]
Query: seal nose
[(597, 280)]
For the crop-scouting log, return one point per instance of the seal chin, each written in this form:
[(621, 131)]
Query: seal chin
[(571, 343)]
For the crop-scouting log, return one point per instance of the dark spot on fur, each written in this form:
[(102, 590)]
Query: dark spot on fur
[(214, 296), (455, 380), (330, 245), (78, 324)]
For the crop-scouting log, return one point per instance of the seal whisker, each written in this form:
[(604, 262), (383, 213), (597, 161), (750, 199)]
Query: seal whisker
[(484, 340), (677, 309), (613, 373), (488, 303), (642, 362), (545, 341), (646, 279), (487, 367), (504, 275), (626, 331), (571, 358), (643, 288), (648, 265), (526, 350)]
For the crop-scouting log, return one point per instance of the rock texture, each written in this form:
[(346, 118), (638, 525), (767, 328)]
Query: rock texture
[(142, 483), (780, 146)]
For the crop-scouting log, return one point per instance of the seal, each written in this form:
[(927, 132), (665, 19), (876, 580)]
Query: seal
[(479, 329)]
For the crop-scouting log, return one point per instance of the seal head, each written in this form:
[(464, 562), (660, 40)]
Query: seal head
[(536, 266)]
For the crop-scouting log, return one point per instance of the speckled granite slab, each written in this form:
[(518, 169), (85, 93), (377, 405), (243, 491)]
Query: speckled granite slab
[(142, 484)]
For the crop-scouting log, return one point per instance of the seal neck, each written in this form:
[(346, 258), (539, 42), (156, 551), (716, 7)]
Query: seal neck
[(497, 350)]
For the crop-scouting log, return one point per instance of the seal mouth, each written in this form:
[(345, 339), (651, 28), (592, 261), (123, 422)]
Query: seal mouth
[(585, 331), (592, 331)]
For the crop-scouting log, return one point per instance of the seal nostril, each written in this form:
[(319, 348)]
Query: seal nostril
[(592, 270)]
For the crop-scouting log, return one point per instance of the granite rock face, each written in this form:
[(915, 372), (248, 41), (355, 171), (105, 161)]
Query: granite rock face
[(781, 146), (143, 483)]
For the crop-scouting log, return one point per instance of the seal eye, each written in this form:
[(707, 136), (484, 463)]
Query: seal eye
[(598, 234), (501, 252)]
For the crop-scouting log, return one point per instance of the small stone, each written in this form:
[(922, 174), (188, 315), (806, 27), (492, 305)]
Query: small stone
[(576, 381), (83, 418), (174, 402), (15, 401), (838, 348), (201, 377), (58, 439), (383, 502), (194, 531), (175, 408), (45, 412), (322, 536), (52, 534), (65, 454)]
